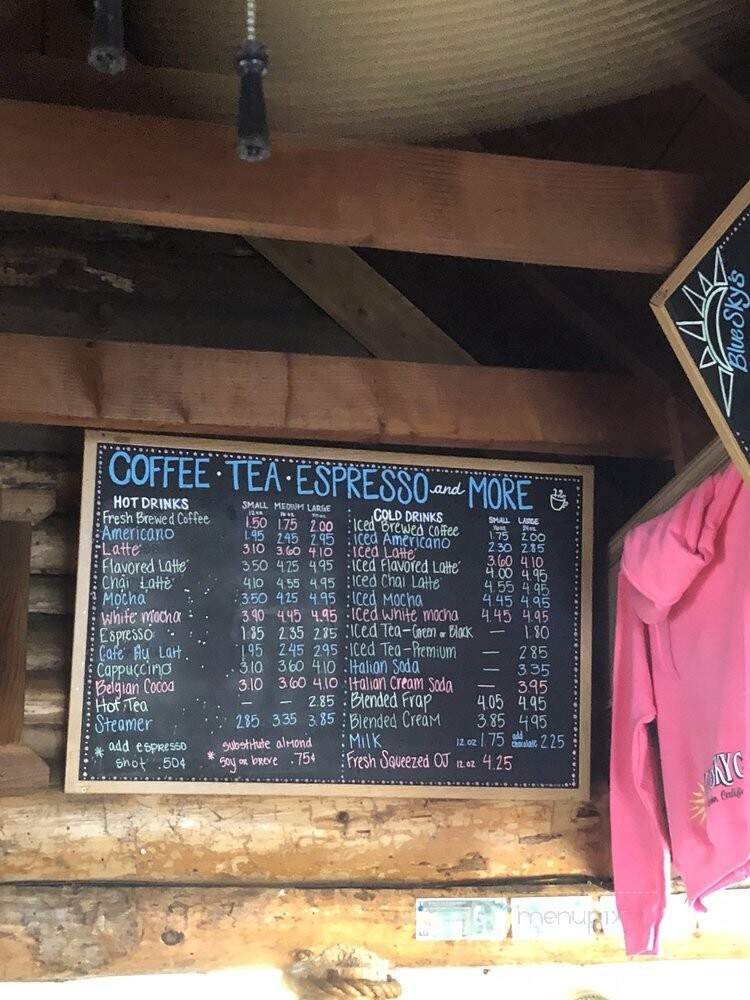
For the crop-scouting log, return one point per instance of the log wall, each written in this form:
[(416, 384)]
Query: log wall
[(172, 883), (205, 840), (212, 840), (122, 884), (126, 930)]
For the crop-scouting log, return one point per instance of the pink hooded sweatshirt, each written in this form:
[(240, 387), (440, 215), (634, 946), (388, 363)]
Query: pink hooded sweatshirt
[(681, 656)]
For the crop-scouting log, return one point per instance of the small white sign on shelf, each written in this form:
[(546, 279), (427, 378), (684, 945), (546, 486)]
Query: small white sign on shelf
[(538, 918), (470, 919)]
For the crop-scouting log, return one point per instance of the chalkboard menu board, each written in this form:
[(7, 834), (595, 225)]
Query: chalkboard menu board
[(704, 309), (286, 619)]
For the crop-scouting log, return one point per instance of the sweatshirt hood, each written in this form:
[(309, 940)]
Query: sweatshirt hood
[(662, 557)]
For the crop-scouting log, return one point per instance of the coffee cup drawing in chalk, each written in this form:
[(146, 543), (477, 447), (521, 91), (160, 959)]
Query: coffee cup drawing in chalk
[(558, 499), (721, 305)]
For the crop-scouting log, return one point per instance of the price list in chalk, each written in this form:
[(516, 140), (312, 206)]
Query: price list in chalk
[(331, 619)]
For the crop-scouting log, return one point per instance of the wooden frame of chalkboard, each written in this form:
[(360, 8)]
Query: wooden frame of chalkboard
[(700, 328), (581, 601)]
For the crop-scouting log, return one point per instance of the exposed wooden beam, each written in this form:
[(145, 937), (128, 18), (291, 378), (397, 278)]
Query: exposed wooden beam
[(122, 931), (185, 174), (163, 91), (49, 380), (362, 302), (351, 292)]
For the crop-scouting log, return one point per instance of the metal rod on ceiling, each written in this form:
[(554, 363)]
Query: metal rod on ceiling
[(107, 49), (253, 143)]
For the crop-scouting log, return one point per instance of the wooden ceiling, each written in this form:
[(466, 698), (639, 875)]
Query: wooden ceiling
[(415, 70), (514, 309), (420, 69)]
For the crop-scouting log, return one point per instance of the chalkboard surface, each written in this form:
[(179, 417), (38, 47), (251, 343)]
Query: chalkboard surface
[(251, 617), (704, 309)]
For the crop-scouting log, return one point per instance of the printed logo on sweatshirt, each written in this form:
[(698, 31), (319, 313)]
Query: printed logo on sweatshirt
[(719, 783), (721, 304)]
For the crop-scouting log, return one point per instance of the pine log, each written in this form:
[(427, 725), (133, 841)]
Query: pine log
[(121, 931), (47, 742), (20, 770), (53, 933), (53, 545), (51, 595), (46, 700), (49, 642), (210, 839), (40, 470), (28, 504)]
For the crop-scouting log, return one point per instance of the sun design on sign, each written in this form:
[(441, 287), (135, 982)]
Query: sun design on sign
[(708, 303), (698, 803)]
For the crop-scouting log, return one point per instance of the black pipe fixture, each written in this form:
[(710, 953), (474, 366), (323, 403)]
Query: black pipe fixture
[(107, 49), (107, 55), (253, 143)]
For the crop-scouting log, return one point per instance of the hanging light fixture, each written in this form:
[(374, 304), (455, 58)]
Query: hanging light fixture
[(107, 50), (253, 143)]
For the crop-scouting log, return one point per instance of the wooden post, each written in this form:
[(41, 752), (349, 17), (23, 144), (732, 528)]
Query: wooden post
[(15, 556), (20, 767)]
